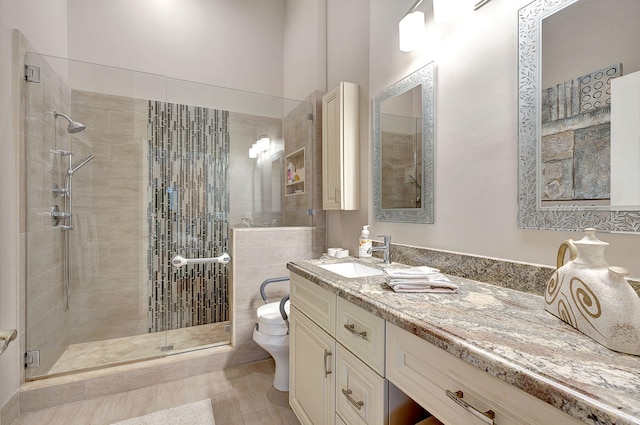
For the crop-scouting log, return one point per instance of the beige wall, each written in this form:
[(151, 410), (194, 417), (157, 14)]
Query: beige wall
[(228, 43), (348, 59)]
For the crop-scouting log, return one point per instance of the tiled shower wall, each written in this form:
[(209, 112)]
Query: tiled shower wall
[(244, 130), (259, 254), (302, 131), (188, 215), (108, 263), (132, 220)]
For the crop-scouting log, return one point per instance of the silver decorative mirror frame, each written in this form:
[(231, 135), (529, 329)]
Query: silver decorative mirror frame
[(422, 77), (530, 213)]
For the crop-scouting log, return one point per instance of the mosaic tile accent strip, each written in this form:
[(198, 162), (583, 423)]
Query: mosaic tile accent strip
[(188, 210)]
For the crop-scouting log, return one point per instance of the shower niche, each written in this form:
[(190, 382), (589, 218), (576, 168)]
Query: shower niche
[(295, 172)]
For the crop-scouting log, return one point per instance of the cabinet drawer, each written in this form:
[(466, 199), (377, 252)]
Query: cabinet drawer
[(362, 333), (361, 393), (315, 302), (425, 373)]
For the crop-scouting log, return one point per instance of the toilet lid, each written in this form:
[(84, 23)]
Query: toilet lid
[(269, 314)]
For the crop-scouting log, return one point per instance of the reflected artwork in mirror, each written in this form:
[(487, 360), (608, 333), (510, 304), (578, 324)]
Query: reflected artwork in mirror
[(403, 138), (579, 155)]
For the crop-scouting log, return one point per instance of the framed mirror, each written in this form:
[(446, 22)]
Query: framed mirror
[(403, 140), (579, 131)]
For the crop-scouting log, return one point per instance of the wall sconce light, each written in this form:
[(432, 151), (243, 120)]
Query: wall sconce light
[(261, 145), (411, 28), (451, 10)]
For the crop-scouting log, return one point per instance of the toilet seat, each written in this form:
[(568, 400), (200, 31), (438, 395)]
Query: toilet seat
[(270, 320)]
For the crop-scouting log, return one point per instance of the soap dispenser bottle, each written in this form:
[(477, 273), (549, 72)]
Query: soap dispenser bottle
[(364, 246)]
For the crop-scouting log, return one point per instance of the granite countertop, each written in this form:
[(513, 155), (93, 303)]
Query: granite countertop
[(506, 333)]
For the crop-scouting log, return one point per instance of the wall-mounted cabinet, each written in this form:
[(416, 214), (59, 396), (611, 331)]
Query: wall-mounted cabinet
[(294, 173), (340, 148)]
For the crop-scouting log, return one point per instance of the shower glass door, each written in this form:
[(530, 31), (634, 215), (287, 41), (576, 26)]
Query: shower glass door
[(169, 173)]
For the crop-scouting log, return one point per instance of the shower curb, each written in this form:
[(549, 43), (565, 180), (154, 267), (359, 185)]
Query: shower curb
[(56, 391)]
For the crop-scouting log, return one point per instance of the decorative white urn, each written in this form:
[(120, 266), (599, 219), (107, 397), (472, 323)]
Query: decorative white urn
[(594, 298)]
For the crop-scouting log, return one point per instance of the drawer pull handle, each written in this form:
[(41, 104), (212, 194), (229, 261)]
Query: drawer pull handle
[(352, 328), (487, 417), (327, 370), (357, 404)]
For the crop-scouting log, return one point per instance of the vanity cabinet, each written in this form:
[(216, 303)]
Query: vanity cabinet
[(340, 148), (329, 382), (456, 392)]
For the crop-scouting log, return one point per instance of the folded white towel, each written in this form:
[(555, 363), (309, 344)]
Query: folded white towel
[(410, 273), (435, 282)]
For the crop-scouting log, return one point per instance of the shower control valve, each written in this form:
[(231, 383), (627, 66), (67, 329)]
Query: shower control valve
[(56, 190), (60, 214)]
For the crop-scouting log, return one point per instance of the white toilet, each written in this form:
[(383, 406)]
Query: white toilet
[(272, 334)]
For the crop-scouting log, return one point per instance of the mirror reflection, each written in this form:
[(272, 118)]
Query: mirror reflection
[(401, 138), (579, 115), (403, 150), (582, 53)]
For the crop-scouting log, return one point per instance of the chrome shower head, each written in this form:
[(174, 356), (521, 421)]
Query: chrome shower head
[(74, 126)]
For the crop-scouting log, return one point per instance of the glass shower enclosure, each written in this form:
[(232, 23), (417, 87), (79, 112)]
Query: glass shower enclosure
[(122, 171)]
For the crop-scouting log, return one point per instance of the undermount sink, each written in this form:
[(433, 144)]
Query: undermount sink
[(352, 269)]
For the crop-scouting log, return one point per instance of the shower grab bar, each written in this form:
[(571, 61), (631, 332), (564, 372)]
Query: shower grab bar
[(5, 338), (179, 261)]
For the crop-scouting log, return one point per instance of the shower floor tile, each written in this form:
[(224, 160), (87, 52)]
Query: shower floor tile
[(94, 355)]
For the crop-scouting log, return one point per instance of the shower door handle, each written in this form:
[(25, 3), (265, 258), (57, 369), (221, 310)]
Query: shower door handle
[(179, 261), (5, 338)]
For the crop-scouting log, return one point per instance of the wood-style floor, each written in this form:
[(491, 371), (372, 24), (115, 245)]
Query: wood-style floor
[(241, 395)]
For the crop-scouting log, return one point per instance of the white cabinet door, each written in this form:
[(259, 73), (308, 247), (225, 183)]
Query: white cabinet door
[(340, 148), (311, 371)]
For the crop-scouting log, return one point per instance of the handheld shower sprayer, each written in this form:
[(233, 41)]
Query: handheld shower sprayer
[(76, 167), (74, 126)]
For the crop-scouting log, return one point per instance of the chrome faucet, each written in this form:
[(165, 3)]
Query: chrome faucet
[(385, 248)]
